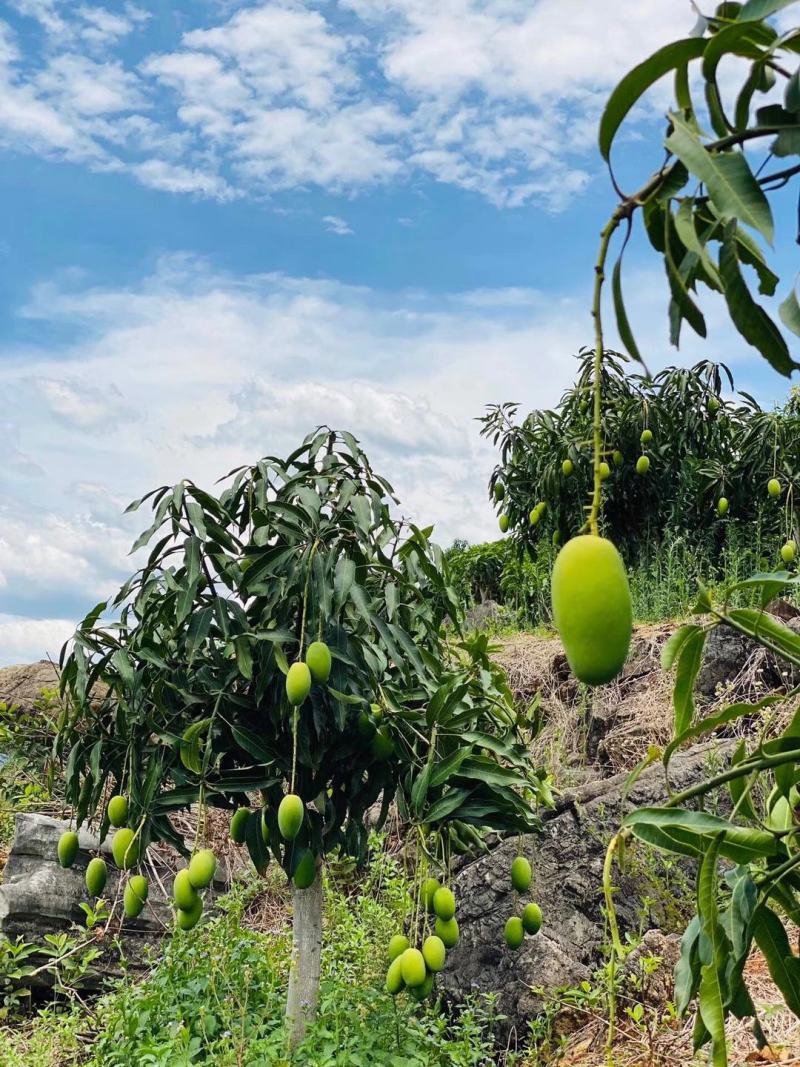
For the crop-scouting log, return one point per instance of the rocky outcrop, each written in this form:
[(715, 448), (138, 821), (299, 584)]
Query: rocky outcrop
[(567, 859), (24, 683)]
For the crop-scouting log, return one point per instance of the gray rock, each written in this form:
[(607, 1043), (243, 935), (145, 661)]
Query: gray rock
[(38, 896), (567, 859), (23, 684)]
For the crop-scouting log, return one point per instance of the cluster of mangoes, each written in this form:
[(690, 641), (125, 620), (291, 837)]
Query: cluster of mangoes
[(415, 969), (530, 922), (188, 886), (125, 848)]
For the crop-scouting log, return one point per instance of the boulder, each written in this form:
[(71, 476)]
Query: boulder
[(567, 859)]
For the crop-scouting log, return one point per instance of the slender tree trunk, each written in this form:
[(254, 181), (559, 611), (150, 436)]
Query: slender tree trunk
[(301, 999)]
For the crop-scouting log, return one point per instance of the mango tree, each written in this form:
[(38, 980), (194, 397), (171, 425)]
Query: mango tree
[(289, 638)]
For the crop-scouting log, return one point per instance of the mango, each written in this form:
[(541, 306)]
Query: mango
[(646, 437), (789, 551), (499, 490), (412, 967), (567, 467), (134, 896), (96, 876), (503, 523), (444, 903), (118, 810), (514, 932), (318, 661), (447, 930), (532, 918), (125, 848), (618, 458), (187, 918), (298, 684), (183, 892), (291, 813), (722, 506), (394, 976), (67, 848), (238, 824), (382, 746), (521, 874), (422, 992), (434, 953), (592, 608), (642, 464), (202, 867), (429, 887), (604, 471), (774, 487)]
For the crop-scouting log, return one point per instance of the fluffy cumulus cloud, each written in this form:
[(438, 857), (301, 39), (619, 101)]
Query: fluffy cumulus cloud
[(191, 372), (499, 97)]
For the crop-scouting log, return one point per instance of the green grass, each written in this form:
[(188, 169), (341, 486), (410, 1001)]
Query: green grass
[(216, 997)]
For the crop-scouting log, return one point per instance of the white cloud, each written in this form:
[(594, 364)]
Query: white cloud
[(337, 225), (191, 372), (499, 97), (23, 640)]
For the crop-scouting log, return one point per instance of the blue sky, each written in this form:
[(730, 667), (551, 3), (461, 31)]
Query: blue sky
[(222, 223)]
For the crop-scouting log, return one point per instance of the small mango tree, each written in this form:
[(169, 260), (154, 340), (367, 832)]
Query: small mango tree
[(707, 213), (286, 638)]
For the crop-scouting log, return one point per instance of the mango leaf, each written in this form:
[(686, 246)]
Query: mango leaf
[(254, 839), (740, 843), (689, 663), (687, 969), (749, 318), (190, 745), (639, 80), (732, 188), (767, 630), (789, 312), (762, 9), (446, 805), (712, 722), (675, 643), (712, 993), (623, 325), (784, 968)]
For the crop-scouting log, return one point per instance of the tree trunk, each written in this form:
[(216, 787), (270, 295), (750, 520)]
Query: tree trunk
[(301, 999)]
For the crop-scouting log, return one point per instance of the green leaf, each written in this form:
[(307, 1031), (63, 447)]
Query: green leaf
[(767, 630), (190, 745), (343, 580), (728, 714), (639, 80), (623, 325), (687, 969), (122, 661), (711, 993), (689, 663), (675, 643), (789, 312), (254, 839), (749, 318), (762, 9), (447, 804), (733, 190), (740, 843), (784, 968)]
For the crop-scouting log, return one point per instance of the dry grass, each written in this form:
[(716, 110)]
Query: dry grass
[(659, 1040)]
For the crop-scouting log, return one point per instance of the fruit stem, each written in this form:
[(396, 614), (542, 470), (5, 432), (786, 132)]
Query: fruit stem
[(597, 440)]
